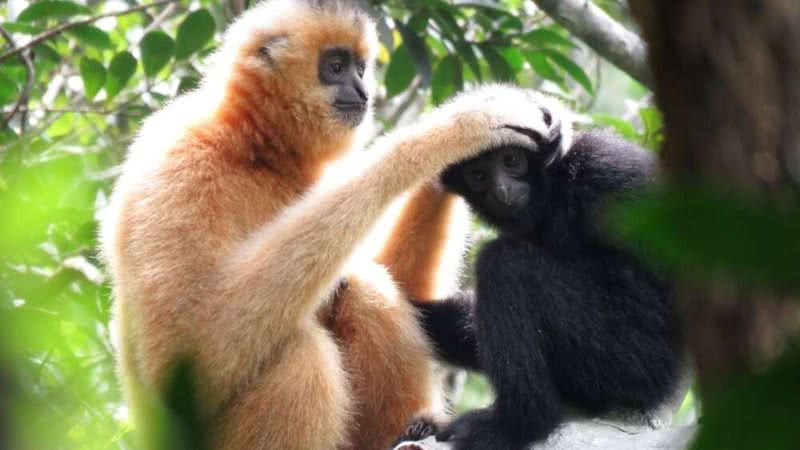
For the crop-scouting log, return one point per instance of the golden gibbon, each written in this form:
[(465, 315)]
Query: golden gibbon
[(224, 249)]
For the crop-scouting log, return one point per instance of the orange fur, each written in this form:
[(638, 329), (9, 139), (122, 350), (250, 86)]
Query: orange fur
[(419, 252), (223, 249)]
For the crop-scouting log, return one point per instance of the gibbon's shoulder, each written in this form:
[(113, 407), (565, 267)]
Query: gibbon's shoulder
[(600, 159), (170, 128)]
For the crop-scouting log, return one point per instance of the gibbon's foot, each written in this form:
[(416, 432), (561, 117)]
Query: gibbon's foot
[(478, 430), (417, 430)]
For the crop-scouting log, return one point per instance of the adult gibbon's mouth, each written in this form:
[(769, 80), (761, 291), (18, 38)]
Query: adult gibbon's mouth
[(350, 106), (351, 113)]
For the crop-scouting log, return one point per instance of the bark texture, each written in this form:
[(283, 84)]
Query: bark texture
[(727, 77)]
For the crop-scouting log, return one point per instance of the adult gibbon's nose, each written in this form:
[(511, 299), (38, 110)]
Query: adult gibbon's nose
[(359, 88)]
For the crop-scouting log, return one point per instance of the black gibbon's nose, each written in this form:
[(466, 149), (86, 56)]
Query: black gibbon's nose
[(501, 193)]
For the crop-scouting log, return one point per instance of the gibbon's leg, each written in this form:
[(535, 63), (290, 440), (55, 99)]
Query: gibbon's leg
[(512, 319), (386, 357), (269, 416), (425, 247)]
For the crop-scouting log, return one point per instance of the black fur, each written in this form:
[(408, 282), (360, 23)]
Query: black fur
[(562, 317)]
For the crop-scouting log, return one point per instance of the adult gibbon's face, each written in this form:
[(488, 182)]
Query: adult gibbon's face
[(342, 71)]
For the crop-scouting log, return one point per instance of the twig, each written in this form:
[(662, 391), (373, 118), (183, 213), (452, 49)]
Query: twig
[(101, 112), (622, 47), (411, 97), (160, 18), (61, 28), (29, 71)]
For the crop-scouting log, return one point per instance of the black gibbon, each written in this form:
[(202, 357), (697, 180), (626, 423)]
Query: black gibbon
[(224, 248), (561, 317)]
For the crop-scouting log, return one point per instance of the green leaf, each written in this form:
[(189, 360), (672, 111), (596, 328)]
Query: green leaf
[(482, 4), (653, 127), (697, 233), (188, 83), (418, 23), (571, 68), (757, 411), (514, 58), (419, 52), (51, 9), (64, 125), (91, 35), (623, 127), (94, 76), (193, 33), (466, 52), (541, 65), (120, 71), (544, 37), (22, 28), (447, 24), (400, 72), (44, 51), (447, 79), (501, 70), (8, 89), (157, 50)]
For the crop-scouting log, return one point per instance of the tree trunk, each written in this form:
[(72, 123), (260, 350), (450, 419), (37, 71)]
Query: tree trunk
[(727, 78)]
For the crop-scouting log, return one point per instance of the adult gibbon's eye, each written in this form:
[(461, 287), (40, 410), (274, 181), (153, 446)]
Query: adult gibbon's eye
[(336, 67), (478, 175)]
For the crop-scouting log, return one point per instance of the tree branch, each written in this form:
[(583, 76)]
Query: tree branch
[(622, 47), (29, 71), (49, 34)]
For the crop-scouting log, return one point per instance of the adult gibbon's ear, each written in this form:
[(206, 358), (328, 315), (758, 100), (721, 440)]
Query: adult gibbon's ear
[(267, 51)]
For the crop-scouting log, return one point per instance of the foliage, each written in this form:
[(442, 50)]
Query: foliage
[(92, 85)]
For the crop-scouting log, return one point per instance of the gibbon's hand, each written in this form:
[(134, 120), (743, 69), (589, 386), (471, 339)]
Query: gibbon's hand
[(486, 118), (494, 116)]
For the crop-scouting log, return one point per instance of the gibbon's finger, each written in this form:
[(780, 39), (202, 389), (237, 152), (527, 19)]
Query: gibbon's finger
[(512, 135)]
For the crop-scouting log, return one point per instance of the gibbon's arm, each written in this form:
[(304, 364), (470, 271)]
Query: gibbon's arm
[(450, 325), (600, 164), (431, 230), (286, 269)]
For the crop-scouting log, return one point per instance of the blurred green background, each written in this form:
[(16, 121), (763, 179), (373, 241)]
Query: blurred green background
[(83, 98)]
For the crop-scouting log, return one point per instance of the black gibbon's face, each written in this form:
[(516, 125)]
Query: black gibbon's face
[(505, 186), (343, 71), (496, 181)]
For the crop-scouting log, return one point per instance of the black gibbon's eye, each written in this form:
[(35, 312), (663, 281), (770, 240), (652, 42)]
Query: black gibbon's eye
[(336, 67), (478, 175), (511, 160)]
